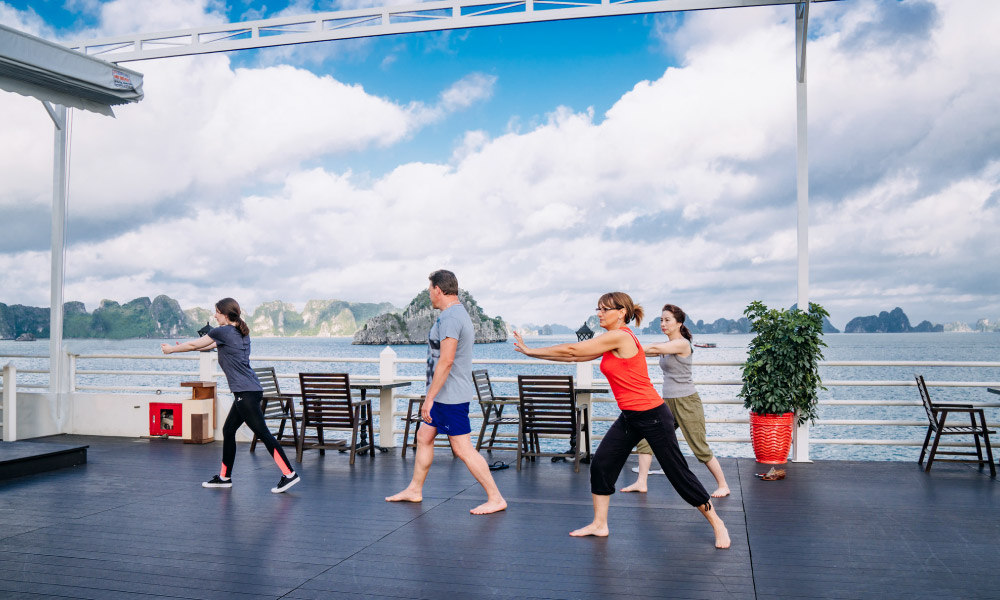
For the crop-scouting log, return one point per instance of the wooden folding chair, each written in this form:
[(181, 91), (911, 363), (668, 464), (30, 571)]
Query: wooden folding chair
[(277, 407), (327, 404), (937, 414), (492, 412), (548, 406)]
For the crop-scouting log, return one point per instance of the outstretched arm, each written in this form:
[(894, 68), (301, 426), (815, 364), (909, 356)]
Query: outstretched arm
[(681, 346), (584, 351), (202, 343)]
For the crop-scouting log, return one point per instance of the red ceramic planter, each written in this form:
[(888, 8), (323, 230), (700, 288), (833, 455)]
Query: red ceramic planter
[(772, 437)]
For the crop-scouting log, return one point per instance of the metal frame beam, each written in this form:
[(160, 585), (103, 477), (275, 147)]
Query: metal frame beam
[(800, 452), (438, 15)]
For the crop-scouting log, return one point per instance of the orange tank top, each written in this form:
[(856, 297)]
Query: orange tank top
[(629, 379)]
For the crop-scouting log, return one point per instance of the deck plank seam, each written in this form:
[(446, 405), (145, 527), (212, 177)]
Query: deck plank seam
[(746, 526)]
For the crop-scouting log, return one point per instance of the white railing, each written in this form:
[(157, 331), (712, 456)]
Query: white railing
[(715, 391)]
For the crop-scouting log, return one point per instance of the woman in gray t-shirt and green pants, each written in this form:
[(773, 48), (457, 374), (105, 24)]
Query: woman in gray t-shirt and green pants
[(682, 398)]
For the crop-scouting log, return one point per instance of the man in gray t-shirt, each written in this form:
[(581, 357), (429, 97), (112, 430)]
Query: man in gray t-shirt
[(449, 390), (453, 323)]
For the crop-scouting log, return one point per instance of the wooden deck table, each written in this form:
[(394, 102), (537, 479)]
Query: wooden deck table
[(385, 391)]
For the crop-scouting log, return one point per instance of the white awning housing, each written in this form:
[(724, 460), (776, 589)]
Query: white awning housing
[(34, 67)]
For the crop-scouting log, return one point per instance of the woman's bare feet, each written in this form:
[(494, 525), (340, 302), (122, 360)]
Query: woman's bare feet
[(635, 487), (406, 495), (722, 492), (593, 529), (490, 506)]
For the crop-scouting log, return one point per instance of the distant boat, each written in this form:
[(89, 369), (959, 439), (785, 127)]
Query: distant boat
[(25, 337), (708, 345)]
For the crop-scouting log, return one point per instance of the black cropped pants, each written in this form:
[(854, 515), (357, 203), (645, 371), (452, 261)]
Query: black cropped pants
[(657, 426), (246, 409)]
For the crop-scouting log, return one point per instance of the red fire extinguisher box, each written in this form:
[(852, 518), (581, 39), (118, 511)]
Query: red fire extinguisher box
[(165, 418)]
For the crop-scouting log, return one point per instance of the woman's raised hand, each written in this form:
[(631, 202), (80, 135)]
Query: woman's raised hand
[(519, 343), (165, 348)]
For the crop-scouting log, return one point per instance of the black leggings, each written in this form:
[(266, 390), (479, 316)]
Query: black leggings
[(657, 426), (246, 409)]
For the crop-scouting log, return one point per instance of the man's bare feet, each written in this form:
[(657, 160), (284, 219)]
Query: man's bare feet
[(635, 487), (592, 529), (490, 506), (722, 492), (406, 495)]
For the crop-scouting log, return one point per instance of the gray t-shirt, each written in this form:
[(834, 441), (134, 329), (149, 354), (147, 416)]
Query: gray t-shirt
[(677, 380), (234, 358), (454, 323)]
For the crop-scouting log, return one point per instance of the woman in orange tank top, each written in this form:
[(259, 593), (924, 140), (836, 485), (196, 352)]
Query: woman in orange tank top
[(644, 414)]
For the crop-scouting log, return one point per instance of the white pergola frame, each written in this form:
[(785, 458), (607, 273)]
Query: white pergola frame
[(441, 15)]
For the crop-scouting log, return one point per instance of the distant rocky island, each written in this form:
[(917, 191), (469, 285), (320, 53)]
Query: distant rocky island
[(414, 324), (894, 321), (320, 318), (162, 317), (549, 329)]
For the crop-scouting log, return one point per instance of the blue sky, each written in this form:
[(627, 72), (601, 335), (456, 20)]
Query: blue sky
[(544, 163)]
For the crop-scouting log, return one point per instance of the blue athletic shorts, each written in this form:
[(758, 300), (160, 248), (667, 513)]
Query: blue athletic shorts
[(451, 419)]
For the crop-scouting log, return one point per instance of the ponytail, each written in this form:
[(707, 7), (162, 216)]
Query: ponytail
[(242, 327), (636, 313), (680, 317), (231, 309)]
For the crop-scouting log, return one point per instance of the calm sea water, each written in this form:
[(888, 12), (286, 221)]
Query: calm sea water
[(855, 347)]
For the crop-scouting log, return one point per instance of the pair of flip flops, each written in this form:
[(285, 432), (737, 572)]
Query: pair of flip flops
[(499, 466), (772, 475)]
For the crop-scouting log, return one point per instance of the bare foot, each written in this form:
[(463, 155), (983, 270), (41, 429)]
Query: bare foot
[(721, 535), (406, 495), (592, 529), (635, 487), (722, 492), (489, 507)]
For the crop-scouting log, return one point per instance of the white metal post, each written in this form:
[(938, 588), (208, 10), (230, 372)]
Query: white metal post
[(71, 371), (387, 398), (9, 403), (206, 366), (585, 379), (62, 117), (800, 452)]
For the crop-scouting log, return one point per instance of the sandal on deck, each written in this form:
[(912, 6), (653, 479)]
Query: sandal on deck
[(772, 475), (499, 466)]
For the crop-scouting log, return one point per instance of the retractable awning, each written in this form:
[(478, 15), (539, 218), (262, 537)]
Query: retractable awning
[(34, 67), (62, 79)]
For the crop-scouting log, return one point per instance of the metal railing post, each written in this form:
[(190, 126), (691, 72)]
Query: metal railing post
[(800, 441), (206, 366), (387, 398), (71, 369), (10, 403), (585, 379)]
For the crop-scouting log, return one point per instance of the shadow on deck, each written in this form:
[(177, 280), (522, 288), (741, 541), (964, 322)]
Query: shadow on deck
[(135, 522)]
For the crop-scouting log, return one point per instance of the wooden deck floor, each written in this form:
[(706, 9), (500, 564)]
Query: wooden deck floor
[(135, 523)]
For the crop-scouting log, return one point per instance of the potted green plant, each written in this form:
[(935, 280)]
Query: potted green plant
[(781, 375)]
